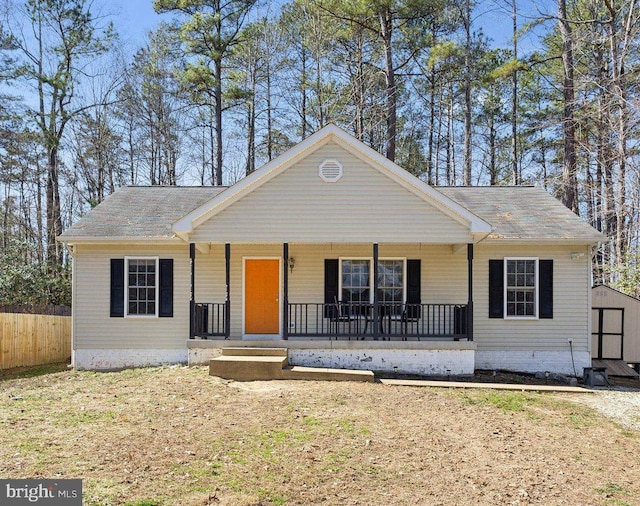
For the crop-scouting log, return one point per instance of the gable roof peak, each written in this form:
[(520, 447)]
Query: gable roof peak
[(330, 133)]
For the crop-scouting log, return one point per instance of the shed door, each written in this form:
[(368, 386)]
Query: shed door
[(262, 296), (607, 333)]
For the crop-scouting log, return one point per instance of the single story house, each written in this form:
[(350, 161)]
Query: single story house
[(343, 258)]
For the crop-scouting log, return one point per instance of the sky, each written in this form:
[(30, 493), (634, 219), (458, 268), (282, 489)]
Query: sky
[(135, 18)]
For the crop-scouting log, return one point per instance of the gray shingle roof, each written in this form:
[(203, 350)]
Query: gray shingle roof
[(140, 212), (515, 212), (524, 213)]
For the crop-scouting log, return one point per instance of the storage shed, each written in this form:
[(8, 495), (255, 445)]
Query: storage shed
[(615, 326)]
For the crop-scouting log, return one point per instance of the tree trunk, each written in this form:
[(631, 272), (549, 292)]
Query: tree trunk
[(432, 125), (386, 31), (269, 118), (39, 213), (467, 95), (492, 152), (514, 102), (569, 173), (218, 113), (360, 92), (322, 112), (618, 56), (303, 89), (251, 132), (54, 217), (212, 143)]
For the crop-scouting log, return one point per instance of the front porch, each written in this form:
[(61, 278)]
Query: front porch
[(381, 302)]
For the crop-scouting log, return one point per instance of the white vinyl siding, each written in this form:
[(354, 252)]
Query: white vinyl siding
[(443, 280), (571, 287), (95, 329), (364, 205)]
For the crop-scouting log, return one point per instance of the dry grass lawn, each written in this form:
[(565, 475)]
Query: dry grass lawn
[(175, 436)]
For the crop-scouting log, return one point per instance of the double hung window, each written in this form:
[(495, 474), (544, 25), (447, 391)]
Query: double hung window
[(357, 286), (521, 287), (142, 286)]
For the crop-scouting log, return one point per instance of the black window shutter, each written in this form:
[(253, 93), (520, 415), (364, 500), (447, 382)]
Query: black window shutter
[(166, 288), (496, 288), (545, 284), (331, 273), (117, 287), (413, 282)]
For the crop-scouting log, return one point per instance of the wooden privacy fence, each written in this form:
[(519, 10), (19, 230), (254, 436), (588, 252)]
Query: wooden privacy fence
[(29, 339)]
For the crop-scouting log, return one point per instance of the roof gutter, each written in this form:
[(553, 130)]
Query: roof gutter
[(117, 240)]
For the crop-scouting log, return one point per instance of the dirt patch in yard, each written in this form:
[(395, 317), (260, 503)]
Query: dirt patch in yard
[(176, 436)]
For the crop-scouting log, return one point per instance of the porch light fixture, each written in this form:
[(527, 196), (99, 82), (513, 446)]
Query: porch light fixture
[(292, 263)]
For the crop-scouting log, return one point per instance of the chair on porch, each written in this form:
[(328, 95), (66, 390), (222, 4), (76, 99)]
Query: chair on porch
[(345, 313), (201, 324), (411, 315), (460, 323)]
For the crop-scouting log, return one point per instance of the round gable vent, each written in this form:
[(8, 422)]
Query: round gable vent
[(330, 171)]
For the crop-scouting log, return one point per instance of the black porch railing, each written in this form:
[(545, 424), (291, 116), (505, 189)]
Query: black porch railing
[(349, 320), (210, 320), (395, 320)]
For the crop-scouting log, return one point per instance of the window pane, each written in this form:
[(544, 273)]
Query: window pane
[(390, 273), (521, 287), (141, 286), (390, 282), (355, 281)]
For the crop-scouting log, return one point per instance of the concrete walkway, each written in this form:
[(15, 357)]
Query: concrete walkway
[(493, 386)]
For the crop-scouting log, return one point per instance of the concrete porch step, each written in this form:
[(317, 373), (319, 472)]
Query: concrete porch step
[(252, 351), (247, 368), (263, 364), (324, 374)]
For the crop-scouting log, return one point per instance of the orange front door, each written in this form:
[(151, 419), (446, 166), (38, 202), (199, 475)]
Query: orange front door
[(262, 296)]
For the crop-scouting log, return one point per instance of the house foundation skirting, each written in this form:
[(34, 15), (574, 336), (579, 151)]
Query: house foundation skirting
[(103, 359), (420, 362), (421, 358), (534, 361)]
